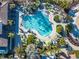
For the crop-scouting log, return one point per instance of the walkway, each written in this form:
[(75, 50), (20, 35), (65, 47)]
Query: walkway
[(63, 24), (73, 46)]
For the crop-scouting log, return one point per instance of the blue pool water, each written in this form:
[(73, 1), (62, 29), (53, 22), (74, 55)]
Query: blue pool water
[(39, 22)]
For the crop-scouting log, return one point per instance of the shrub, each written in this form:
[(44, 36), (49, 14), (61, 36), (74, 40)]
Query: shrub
[(68, 28), (57, 18), (59, 28), (31, 39)]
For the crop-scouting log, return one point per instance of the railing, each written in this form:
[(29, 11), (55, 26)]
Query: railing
[(0, 27), (3, 3), (73, 41)]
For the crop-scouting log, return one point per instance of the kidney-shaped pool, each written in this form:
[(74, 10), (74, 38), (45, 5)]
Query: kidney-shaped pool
[(39, 22)]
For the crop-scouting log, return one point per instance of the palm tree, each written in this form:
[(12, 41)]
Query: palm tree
[(11, 36), (12, 5), (30, 50), (59, 28), (20, 51), (68, 28), (31, 39), (10, 22), (61, 41), (64, 4), (57, 18), (69, 18), (55, 49)]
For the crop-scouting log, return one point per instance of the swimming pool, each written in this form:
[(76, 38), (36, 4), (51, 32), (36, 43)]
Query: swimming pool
[(39, 22)]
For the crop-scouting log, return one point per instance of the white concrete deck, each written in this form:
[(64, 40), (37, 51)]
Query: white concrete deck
[(53, 34), (49, 37)]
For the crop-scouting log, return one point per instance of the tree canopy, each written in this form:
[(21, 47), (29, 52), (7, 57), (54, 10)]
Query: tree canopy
[(31, 39), (59, 28), (62, 3)]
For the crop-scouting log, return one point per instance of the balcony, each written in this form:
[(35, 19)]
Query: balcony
[(2, 3), (0, 27)]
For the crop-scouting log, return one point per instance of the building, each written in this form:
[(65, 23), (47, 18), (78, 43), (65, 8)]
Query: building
[(3, 13), (23, 2), (3, 21), (7, 46)]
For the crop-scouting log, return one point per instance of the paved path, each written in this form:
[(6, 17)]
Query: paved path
[(63, 24), (73, 46)]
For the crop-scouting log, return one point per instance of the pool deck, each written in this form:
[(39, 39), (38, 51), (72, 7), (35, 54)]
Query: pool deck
[(47, 38), (52, 36)]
